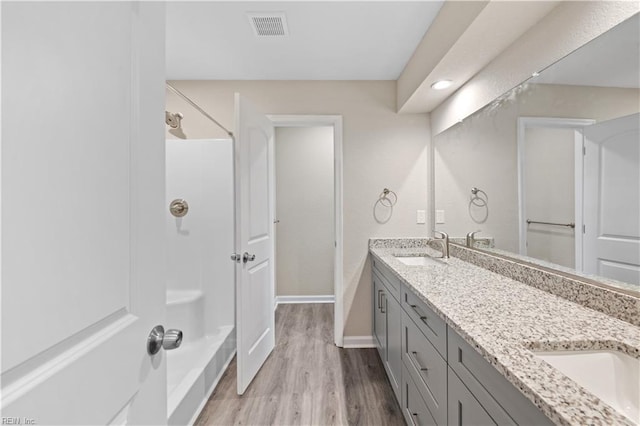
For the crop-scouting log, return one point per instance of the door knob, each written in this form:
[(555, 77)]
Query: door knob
[(172, 339), (246, 257), (236, 257), (158, 339)]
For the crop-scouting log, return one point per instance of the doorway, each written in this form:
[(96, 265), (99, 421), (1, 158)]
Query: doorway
[(299, 206), (550, 162)]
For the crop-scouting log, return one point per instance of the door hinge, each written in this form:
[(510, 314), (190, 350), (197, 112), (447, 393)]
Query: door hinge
[(584, 228), (584, 150)]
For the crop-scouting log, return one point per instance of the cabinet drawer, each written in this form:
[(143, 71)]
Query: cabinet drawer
[(390, 280), (501, 399), (414, 408), (464, 409), (431, 325), (426, 367)]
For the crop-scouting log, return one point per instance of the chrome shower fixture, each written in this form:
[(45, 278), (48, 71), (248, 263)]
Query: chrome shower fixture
[(173, 119)]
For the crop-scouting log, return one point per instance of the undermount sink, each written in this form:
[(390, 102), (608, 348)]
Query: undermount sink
[(612, 376), (419, 260)]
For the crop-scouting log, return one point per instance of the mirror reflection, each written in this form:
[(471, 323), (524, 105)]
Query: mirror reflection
[(550, 172)]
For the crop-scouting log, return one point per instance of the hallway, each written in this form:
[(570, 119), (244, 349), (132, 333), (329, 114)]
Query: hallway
[(307, 380)]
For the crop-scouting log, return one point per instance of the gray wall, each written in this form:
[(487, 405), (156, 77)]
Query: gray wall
[(305, 211)]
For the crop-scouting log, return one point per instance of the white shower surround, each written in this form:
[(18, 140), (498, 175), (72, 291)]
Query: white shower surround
[(200, 280)]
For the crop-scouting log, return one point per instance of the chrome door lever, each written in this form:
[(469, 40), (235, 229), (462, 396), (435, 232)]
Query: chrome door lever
[(246, 257)]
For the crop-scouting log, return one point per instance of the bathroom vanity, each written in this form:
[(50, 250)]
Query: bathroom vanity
[(464, 345)]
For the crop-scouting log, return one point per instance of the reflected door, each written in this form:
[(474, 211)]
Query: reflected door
[(612, 199), (255, 289), (82, 212)]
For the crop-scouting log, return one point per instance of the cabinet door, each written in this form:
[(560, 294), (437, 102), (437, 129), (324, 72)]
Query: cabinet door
[(414, 409), (464, 408), (379, 317), (394, 342)]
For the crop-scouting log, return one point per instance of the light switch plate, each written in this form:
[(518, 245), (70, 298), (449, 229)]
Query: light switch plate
[(421, 217), (439, 216)]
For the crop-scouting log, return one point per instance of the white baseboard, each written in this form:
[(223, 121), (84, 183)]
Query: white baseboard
[(305, 299), (351, 342)]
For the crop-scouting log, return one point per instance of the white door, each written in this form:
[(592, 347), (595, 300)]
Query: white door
[(82, 212), (255, 318), (612, 199)]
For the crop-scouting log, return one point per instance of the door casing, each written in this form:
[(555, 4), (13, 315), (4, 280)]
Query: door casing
[(336, 122)]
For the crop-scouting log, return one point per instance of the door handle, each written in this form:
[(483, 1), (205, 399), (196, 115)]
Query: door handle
[(158, 339), (379, 301), (384, 305), (236, 257), (246, 257)]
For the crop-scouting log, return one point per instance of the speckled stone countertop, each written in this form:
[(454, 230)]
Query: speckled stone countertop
[(504, 319)]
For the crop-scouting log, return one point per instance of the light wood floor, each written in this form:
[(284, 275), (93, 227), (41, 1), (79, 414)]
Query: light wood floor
[(307, 380)]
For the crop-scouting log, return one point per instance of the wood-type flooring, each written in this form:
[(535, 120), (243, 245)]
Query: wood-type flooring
[(307, 380)]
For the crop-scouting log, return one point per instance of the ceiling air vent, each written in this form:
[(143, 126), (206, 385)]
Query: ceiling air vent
[(269, 24)]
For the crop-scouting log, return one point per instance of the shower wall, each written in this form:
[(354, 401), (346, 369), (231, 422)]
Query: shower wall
[(199, 244)]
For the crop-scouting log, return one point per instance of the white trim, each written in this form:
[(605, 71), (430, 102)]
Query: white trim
[(558, 123), (356, 342), (282, 300), (336, 122), (579, 197)]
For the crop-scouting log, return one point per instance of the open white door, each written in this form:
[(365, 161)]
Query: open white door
[(82, 212), (612, 199), (255, 318)]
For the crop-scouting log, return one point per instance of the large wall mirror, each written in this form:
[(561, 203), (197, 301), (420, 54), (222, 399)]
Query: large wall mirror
[(550, 172)]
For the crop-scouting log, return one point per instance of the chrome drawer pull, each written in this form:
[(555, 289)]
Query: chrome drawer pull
[(415, 359), (384, 304), (423, 318), (379, 302)]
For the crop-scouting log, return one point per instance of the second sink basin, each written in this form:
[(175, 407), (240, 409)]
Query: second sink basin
[(612, 376), (419, 260)]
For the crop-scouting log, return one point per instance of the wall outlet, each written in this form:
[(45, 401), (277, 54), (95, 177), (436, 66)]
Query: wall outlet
[(439, 216), (421, 217)]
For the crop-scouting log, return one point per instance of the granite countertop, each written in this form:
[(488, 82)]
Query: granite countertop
[(504, 319)]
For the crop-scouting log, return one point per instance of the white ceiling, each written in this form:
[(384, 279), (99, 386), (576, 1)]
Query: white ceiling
[(611, 60), (327, 40)]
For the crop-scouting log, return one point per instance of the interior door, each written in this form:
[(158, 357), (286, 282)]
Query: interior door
[(82, 212), (255, 292), (612, 199)]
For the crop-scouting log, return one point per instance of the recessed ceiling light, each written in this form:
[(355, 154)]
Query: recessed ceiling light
[(441, 84)]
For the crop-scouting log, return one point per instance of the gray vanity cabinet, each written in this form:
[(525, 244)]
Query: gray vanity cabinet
[(386, 326), (379, 317), (438, 378), (427, 370), (464, 408), (495, 394)]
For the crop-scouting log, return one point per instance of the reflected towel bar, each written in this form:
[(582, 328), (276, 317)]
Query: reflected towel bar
[(568, 225)]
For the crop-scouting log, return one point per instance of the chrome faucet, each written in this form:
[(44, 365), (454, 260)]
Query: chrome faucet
[(444, 242), (471, 238)]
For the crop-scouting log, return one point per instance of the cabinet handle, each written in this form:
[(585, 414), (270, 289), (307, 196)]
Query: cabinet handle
[(379, 302), (415, 415), (423, 318), (415, 359), (384, 304)]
